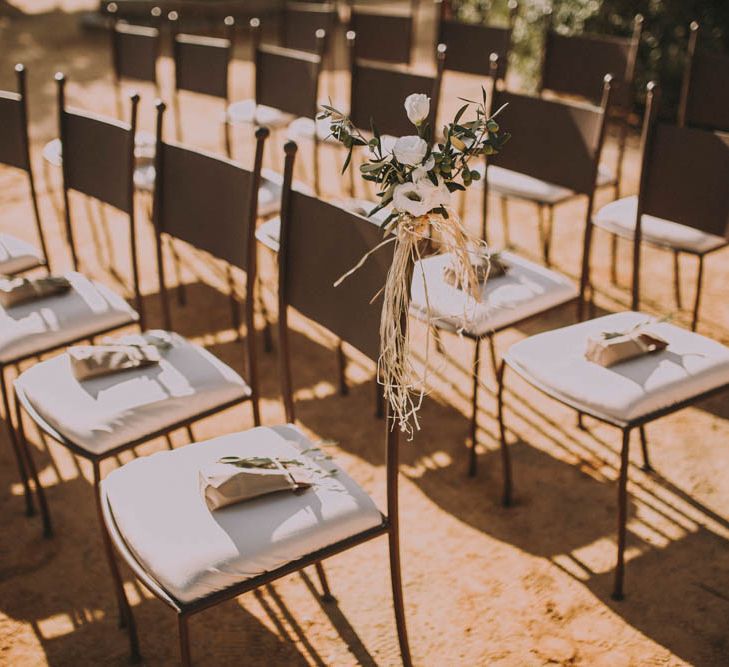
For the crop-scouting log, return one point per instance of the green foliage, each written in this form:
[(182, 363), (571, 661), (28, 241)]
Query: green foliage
[(665, 33)]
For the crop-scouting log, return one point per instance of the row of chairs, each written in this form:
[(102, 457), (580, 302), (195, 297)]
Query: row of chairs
[(101, 418)]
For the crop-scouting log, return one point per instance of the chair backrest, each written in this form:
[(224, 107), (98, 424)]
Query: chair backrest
[(207, 201), (201, 63), (577, 64), (471, 44), (15, 143), (378, 91), (98, 161), (288, 79), (386, 36), (319, 243), (300, 21), (552, 140), (705, 89), (134, 48)]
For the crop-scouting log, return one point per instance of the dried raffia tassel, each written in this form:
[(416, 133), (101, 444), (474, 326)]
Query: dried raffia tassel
[(414, 239)]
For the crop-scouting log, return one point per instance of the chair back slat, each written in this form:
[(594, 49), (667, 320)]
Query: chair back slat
[(288, 80), (705, 87), (301, 20), (686, 177), (557, 142), (98, 158), (135, 52), (204, 200), (379, 91), (470, 45), (577, 64), (320, 243), (201, 64), (13, 131), (383, 36)]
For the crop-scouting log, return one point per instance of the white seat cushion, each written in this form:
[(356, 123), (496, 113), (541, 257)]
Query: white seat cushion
[(247, 112), (269, 232), (17, 255), (269, 194), (105, 412), (85, 310), (619, 217), (160, 513), (513, 184), (688, 367), (304, 128), (525, 290)]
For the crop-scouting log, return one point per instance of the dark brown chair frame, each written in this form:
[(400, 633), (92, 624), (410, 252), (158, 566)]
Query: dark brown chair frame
[(459, 37), (127, 62), (261, 52), (599, 115), (23, 403), (626, 427), (16, 152), (26, 466), (389, 525), (198, 76), (620, 109), (295, 34), (390, 24)]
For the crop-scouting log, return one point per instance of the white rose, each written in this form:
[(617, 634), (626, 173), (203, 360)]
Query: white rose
[(421, 172), (433, 196), (410, 150), (417, 107), (407, 198)]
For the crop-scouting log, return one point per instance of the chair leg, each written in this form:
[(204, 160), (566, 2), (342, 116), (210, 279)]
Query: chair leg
[(644, 448), (505, 221), (614, 259), (39, 490), (548, 235), (581, 422), (697, 302), (677, 279), (317, 167), (507, 497), (183, 630), (261, 305), (379, 400), (438, 340), (342, 367), (126, 616), (622, 516), (397, 596), (326, 594), (472, 464), (13, 438), (227, 140)]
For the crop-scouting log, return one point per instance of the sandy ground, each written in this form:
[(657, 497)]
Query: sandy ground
[(484, 585)]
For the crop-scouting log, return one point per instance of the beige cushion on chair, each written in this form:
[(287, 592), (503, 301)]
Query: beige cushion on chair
[(247, 112), (520, 186), (161, 515), (85, 310), (103, 413), (690, 366), (17, 255), (525, 290), (619, 216)]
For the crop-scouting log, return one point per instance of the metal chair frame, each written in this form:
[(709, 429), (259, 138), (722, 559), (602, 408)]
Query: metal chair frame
[(389, 525), (626, 427)]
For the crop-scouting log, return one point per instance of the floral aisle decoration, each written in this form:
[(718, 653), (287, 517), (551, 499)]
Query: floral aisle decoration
[(415, 180)]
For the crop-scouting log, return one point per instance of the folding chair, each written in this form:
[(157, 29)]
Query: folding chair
[(383, 34), (16, 255), (101, 417), (242, 547), (694, 231), (470, 45), (705, 87), (88, 309), (567, 157), (684, 174), (201, 66)]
